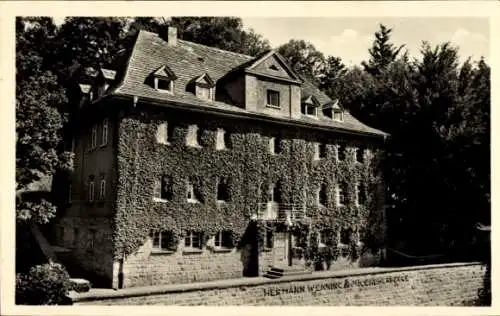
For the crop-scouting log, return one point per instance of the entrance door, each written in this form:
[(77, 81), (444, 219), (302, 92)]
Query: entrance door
[(280, 249)]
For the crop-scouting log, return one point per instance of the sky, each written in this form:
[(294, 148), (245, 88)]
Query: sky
[(350, 37)]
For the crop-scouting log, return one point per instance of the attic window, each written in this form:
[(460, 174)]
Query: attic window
[(164, 85), (164, 79), (338, 115), (203, 87), (309, 106), (273, 67)]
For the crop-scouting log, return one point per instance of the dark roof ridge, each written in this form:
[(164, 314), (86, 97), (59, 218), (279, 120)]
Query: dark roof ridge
[(215, 48)]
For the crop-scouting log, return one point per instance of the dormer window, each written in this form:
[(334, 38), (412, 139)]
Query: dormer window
[(164, 85), (334, 111), (203, 87), (310, 106), (163, 79), (108, 77)]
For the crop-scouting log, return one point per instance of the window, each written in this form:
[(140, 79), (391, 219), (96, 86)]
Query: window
[(193, 193), (340, 194), (164, 132), (310, 110), (345, 236), (163, 241), (322, 195), (328, 112), (359, 195), (338, 115), (93, 137), (359, 153), (204, 93), (275, 145), (340, 152), (273, 98), (102, 189), (269, 239), (275, 193), (164, 85), (104, 139), (322, 151), (273, 67), (223, 140), (193, 240), (319, 151), (163, 189), (223, 239), (222, 190), (193, 137), (91, 190)]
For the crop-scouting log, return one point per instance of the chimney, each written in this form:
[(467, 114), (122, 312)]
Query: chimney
[(172, 36)]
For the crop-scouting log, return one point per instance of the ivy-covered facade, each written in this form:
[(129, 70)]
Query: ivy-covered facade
[(219, 172)]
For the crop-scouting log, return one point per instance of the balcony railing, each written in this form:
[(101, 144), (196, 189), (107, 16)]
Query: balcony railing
[(281, 211)]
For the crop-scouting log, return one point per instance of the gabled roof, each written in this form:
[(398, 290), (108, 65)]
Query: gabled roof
[(333, 105), (257, 61), (187, 60), (108, 74), (310, 99), (204, 78), (164, 72)]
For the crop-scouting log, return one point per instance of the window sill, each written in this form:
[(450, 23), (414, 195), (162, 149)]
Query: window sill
[(267, 249), (165, 91), (193, 201), (194, 146), (164, 143), (159, 200), (277, 107), (156, 252), (222, 250), (103, 145), (193, 251)]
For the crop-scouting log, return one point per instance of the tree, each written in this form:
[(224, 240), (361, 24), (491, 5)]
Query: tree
[(332, 79), (382, 52), (38, 121), (305, 59)]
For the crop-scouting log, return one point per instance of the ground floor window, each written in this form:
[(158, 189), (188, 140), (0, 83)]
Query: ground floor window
[(193, 240), (223, 239), (163, 241)]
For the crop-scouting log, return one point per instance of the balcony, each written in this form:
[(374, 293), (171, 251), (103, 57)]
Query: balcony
[(273, 211)]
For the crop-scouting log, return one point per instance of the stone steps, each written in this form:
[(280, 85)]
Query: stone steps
[(277, 272)]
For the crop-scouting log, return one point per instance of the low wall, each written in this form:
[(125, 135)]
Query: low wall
[(447, 284)]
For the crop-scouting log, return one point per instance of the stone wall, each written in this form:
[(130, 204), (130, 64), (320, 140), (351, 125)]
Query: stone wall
[(445, 285)]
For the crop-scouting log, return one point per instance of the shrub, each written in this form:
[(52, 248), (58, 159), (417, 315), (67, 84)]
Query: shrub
[(46, 284)]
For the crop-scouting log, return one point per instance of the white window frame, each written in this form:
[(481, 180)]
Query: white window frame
[(170, 86), (220, 143), (218, 238), (91, 191), (102, 189), (162, 136), (190, 235), (104, 138), (192, 136), (338, 191), (159, 247), (316, 152), (272, 145), (210, 90), (190, 191), (341, 119)]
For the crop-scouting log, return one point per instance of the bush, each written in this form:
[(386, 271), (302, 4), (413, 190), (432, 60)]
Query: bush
[(46, 284)]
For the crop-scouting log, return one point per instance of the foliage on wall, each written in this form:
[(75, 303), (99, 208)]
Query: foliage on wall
[(249, 166)]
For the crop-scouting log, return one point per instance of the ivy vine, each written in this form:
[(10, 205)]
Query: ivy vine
[(250, 168)]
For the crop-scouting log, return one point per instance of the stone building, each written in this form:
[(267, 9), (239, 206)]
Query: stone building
[(194, 164)]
